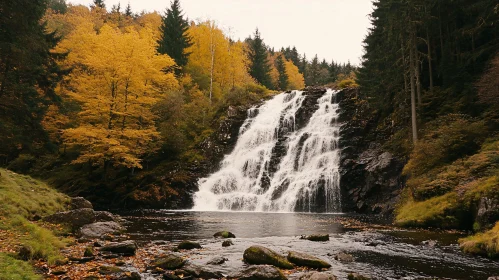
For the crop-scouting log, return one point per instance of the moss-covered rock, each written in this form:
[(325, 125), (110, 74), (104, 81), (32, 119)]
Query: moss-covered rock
[(302, 259), (188, 245), (262, 255), (107, 270), (127, 248), (168, 261), (224, 234), (89, 252)]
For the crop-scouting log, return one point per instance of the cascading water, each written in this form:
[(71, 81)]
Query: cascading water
[(307, 177)]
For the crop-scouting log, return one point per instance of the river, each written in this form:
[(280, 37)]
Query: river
[(380, 251)]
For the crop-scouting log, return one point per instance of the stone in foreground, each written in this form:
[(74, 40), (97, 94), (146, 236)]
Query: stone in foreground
[(169, 262), (202, 272), (316, 237), (127, 248), (100, 229), (318, 276), (224, 234), (80, 203), (262, 255), (259, 272), (302, 259), (188, 245)]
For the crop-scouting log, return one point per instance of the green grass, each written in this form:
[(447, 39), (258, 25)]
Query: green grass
[(13, 269), (27, 197), (24, 199), (435, 212), (484, 244)]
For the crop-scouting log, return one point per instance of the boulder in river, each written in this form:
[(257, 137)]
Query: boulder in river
[(356, 276), (262, 255), (224, 234), (318, 276), (227, 243), (344, 257), (126, 248), (201, 272), (100, 229), (188, 245), (217, 261), (316, 237), (302, 259), (168, 261), (259, 272)]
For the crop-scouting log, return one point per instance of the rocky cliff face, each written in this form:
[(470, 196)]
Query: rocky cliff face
[(370, 176)]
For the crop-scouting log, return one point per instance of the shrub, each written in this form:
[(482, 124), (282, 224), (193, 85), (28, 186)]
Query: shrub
[(447, 139), (347, 83), (483, 244)]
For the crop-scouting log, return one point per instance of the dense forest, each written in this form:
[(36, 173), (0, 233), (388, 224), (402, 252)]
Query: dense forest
[(430, 79), (104, 101)]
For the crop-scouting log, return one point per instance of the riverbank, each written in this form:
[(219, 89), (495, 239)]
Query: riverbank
[(23, 202)]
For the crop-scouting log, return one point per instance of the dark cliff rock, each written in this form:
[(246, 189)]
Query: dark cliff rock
[(370, 175)]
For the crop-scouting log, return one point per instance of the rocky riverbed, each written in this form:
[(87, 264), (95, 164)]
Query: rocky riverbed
[(154, 244)]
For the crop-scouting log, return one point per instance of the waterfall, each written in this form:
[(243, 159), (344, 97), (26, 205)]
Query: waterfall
[(307, 176)]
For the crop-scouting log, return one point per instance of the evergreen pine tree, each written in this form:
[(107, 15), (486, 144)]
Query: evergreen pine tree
[(99, 4), (174, 39), (303, 66), (283, 76), (128, 10), (259, 62), (312, 77)]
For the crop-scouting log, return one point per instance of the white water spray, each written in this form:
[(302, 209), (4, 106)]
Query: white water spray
[(307, 174)]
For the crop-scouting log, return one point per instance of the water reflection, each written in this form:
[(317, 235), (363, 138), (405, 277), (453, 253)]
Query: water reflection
[(149, 225)]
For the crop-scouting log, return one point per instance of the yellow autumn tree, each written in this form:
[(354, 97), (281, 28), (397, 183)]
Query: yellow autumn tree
[(216, 63), (295, 78), (117, 76)]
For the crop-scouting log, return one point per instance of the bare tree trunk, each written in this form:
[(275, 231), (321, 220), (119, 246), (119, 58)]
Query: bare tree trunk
[(430, 67), (412, 67), (212, 50), (404, 62)]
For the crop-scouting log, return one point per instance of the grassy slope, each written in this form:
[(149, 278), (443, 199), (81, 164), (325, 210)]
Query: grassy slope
[(24, 199), (484, 244)]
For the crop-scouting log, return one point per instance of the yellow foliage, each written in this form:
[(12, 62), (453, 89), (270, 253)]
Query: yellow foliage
[(117, 76), (214, 55), (295, 78)]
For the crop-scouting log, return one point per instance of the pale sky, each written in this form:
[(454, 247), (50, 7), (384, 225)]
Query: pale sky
[(332, 29)]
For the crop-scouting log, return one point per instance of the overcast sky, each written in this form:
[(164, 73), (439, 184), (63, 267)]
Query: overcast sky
[(333, 29)]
